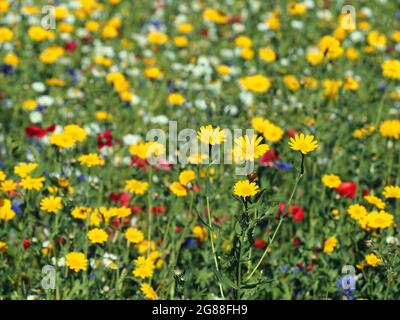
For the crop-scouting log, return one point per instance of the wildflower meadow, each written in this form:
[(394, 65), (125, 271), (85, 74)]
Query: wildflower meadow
[(181, 150)]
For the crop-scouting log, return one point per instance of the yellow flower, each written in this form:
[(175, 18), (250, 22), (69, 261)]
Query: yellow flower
[(391, 69), (352, 53), (144, 246), (357, 211), (259, 124), (376, 39), (330, 244), (62, 140), (75, 132), (331, 180), (4, 6), (175, 99), (37, 33), (200, 233), (29, 104), (97, 235), (197, 158), (91, 160), (8, 185), (211, 136), (30, 183), (186, 176), (351, 84), (215, 16), (181, 41), (372, 260), (245, 188), (243, 42), (3, 247), (378, 220), (136, 187), (51, 54), (6, 211), (249, 149), (109, 32), (185, 28), (80, 212), (157, 37), (6, 35), (51, 204), (267, 54), (103, 115), (291, 82), (24, 169), (153, 73), (303, 143), (272, 132), (224, 69), (178, 189), (11, 59), (315, 56), (76, 261), (391, 192), (256, 83), (390, 129), (134, 235), (92, 26), (148, 292), (296, 8), (331, 88), (330, 47), (375, 201), (144, 267), (2, 176)]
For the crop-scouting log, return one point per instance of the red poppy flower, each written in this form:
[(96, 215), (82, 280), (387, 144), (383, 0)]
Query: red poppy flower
[(136, 209), (296, 212), (139, 163), (70, 46), (234, 19), (296, 241), (291, 132), (38, 132), (347, 189), (259, 243), (268, 158), (26, 243), (121, 198), (104, 139), (158, 209)]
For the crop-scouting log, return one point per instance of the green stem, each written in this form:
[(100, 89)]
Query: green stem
[(300, 175), (212, 245)]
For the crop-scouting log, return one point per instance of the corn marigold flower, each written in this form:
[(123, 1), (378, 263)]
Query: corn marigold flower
[(391, 192), (267, 54), (249, 149), (24, 169), (153, 73), (303, 143), (391, 69), (390, 129), (157, 37), (134, 235), (357, 211), (8, 185), (144, 267), (256, 83), (187, 176), (148, 292), (372, 260), (377, 220), (6, 35), (375, 201), (62, 140), (143, 246), (81, 213), (175, 99), (245, 188), (272, 132), (76, 261), (3, 246), (6, 211), (51, 204), (330, 47), (136, 187), (91, 160), (3, 176), (200, 233), (97, 235), (215, 16), (291, 82), (211, 136), (178, 189), (331, 180), (330, 244), (29, 183)]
